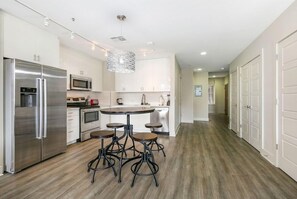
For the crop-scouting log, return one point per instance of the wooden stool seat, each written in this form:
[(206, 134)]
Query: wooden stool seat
[(149, 137), (153, 125), (102, 134), (115, 125)]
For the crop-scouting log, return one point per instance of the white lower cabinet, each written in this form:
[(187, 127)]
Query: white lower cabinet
[(138, 121), (72, 125), (104, 119)]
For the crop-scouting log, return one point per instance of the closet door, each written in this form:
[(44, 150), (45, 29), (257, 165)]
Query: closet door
[(245, 101), (287, 112), (234, 114), (250, 96), (255, 102)]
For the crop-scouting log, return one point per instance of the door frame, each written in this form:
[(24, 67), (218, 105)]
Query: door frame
[(237, 100), (261, 93)]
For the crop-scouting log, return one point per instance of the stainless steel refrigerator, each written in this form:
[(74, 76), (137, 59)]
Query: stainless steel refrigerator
[(35, 113)]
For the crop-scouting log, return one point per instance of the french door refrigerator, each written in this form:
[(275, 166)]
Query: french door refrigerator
[(35, 113)]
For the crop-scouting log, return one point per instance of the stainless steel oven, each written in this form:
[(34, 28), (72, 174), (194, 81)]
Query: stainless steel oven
[(89, 121), (80, 83)]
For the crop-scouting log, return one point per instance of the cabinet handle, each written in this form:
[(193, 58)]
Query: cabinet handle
[(70, 132), (70, 119)]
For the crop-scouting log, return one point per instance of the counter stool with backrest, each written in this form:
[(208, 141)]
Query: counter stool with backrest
[(146, 156), (115, 138), (102, 153), (153, 126)]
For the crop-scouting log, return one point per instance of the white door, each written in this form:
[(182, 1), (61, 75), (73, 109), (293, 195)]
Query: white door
[(250, 96), (287, 112), (255, 102), (233, 82), (245, 114)]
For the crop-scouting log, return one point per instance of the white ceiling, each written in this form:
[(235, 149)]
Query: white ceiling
[(223, 28)]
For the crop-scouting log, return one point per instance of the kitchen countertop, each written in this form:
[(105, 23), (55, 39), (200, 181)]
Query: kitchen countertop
[(136, 105)]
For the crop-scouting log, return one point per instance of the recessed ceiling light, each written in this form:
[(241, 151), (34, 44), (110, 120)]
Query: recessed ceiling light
[(149, 43), (199, 69), (222, 68), (214, 76), (144, 54), (203, 53)]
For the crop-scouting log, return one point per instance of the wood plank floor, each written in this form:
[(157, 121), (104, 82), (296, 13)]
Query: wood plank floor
[(205, 160)]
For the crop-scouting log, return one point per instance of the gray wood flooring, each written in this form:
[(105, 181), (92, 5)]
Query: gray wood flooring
[(205, 160)]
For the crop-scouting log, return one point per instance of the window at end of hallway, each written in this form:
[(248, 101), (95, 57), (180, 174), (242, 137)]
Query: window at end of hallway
[(211, 94)]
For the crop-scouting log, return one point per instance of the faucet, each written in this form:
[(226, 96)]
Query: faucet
[(143, 100)]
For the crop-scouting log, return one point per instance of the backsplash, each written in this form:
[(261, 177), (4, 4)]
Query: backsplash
[(106, 98), (135, 98)]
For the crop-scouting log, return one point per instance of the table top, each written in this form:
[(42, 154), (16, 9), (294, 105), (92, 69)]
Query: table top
[(126, 110)]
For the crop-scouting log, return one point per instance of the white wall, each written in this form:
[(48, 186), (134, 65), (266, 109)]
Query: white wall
[(174, 110), (187, 95), (1, 97), (177, 106), (201, 103), (266, 43), (108, 79), (220, 95)]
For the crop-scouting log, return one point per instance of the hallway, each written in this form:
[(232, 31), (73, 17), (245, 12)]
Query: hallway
[(205, 160)]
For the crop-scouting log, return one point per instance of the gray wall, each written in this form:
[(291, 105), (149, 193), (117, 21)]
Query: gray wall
[(285, 25), (187, 95), (201, 103)]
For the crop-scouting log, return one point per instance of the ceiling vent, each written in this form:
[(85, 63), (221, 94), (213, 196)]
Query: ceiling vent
[(120, 38)]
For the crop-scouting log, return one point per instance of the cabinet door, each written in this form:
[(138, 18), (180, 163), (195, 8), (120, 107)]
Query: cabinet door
[(19, 39), (139, 121), (161, 75), (48, 49), (72, 125), (27, 42), (104, 119)]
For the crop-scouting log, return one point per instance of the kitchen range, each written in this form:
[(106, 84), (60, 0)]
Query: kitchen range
[(89, 115)]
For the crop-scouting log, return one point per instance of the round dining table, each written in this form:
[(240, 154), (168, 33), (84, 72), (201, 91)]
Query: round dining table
[(128, 129)]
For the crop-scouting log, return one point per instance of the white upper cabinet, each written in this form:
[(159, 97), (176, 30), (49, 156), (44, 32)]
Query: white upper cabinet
[(80, 64), (27, 42), (149, 75)]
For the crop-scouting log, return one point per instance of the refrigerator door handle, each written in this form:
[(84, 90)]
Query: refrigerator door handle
[(45, 109), (39, 117)]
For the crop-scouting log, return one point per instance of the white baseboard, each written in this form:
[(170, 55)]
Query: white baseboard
[(177, 129), (269, 157), (202, 119)]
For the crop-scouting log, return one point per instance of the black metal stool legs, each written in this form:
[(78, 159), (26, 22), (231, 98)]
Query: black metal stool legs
[(148, 158), (160, 147), (102, 154)]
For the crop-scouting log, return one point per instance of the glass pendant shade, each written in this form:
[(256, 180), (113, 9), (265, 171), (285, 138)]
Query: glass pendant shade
[(121, 61)]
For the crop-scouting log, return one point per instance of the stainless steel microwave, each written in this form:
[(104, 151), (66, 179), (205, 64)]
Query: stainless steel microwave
[(80, 83)]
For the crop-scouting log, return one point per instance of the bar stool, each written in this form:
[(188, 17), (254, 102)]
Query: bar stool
[(102, 153), (115, 139), (152, 126), (146, 156)]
